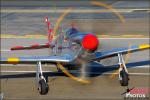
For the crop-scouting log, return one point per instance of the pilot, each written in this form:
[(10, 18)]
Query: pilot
[(70, 32)]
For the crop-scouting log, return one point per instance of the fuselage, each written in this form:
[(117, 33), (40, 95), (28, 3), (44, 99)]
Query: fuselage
[(75, 43)]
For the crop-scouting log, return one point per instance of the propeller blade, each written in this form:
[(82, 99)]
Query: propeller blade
[(66, 72), (84, 72)]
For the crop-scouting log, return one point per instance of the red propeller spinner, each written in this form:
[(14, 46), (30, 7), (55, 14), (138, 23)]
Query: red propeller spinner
[(90, 42)]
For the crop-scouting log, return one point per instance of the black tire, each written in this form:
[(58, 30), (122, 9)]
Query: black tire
[(125, 78), (43, 87)]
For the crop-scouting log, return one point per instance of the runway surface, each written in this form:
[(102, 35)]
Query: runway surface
[(102, 87), (26, 28)]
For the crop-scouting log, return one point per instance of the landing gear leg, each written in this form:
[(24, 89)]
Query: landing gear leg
[(41, 81), (123, 72)]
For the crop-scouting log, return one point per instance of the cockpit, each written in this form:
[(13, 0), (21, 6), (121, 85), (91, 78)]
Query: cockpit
[(71, 31)]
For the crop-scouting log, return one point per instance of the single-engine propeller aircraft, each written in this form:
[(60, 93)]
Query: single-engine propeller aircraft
[(69, 50)]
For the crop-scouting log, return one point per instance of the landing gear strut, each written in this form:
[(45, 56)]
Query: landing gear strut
[(123, 72), (41, 81)]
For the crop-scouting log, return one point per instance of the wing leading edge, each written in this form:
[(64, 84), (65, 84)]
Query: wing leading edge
[(34, 59), (114, 52)]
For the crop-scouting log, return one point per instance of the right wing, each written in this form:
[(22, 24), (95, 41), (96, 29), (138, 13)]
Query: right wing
[(35, 59)]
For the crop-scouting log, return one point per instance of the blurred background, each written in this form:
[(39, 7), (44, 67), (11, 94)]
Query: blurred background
[(27, 16)]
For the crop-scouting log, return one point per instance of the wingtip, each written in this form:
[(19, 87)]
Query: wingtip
[(144, 46)]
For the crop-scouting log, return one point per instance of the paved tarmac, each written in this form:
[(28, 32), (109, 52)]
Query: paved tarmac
[(102, 87)]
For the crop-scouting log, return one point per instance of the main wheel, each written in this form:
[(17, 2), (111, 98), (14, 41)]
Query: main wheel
[(43, 87), (125, 78)]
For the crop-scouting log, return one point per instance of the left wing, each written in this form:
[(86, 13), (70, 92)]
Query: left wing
[(114, 52), (34, 59)]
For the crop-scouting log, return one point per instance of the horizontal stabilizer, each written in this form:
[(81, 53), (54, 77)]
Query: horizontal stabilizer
[(34, 46)]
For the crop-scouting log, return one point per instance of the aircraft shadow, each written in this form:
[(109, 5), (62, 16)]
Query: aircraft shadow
[(96, 69)]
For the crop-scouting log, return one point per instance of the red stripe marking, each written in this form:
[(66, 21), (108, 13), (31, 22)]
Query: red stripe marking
[(46, 43), (17, 47), (35, 45)]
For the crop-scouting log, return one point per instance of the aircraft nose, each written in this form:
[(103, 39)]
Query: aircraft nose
[(90, 42)]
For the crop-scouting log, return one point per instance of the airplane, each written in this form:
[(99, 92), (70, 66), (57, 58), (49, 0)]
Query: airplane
[(72, 49)]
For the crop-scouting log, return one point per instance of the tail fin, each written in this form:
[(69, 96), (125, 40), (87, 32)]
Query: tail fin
[(49, 29)]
